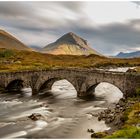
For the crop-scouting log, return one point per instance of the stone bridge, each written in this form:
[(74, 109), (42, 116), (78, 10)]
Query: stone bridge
[(83, 80)]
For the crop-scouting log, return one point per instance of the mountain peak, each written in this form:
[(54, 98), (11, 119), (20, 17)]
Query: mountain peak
[(72, 38), (71, 33), (120, 53), (70, 44)]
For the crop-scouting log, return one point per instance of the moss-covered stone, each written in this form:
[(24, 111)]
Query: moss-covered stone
[(99, 135)]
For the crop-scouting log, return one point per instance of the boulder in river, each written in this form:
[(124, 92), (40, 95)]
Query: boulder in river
[(131, 70), (35, 116), (90, 130)]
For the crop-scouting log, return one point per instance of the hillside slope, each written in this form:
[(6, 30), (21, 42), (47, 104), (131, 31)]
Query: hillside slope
[(9, 42)]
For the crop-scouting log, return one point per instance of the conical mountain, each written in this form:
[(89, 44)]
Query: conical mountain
[(70, 44), (9, 42)]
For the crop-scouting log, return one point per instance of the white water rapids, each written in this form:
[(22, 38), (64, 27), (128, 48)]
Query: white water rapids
[(64, 115)]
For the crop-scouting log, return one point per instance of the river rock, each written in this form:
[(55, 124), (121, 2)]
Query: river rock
[(108, 120), (90, 130), (131, 70), (35, 116), (98, 134)]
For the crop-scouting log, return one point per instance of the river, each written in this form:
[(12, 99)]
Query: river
[(63, 114)]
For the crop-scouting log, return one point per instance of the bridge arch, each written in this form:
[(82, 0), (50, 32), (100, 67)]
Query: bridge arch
[(91, 88), (47, 84), (119, 84), (15, 85), (106, 89)]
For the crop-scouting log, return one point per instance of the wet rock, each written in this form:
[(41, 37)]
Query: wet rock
[(50, 109), (131, 70), (95, 115), (93, 135), (111, 115), (117, 111), (35, 116), (90, 130), (107, 111), (108, 120), (122, 103), (114, 115), (99, 118), (98, 135)]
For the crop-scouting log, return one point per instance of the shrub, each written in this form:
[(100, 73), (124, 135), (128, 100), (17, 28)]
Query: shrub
[(6, 53)]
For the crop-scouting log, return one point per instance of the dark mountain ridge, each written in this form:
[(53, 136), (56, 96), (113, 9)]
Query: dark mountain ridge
[(128, 55)]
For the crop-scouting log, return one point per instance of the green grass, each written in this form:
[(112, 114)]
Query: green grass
[(130, 128), (6, 53), (130, 132)]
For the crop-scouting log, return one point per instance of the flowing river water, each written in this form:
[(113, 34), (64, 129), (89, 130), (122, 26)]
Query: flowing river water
[(63, 114)]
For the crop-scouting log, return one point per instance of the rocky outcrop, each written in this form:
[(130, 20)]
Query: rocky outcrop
[(115, 116), (131, 70), (36, 116)]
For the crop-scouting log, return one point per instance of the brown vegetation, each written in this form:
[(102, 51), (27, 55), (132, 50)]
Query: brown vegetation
[(15, 60)]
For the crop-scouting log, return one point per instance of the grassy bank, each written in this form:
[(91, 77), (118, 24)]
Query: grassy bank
[(131, 127), (13, 60), (130, 121)]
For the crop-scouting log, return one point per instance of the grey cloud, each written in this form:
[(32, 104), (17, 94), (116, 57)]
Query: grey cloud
[(72, 5), (136, 2), (25, 22), (25, 15), (14, 9), (110, 38), (29, 8), (107, 39)]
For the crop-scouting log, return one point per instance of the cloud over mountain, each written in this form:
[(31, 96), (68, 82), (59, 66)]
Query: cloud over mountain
[(40, 23)]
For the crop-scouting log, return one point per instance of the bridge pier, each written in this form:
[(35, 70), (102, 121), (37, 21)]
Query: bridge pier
[(81, 94), (34, 92), (85, 95)]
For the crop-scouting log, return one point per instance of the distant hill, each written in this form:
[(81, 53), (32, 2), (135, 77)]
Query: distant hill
[(36, 48), (69, 44), (128, 55), (9, 42)]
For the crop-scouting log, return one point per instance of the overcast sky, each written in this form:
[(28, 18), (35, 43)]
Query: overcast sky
[(109, 27)]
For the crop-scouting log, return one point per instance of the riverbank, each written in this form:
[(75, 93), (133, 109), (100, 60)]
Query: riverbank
[(124, 119)]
